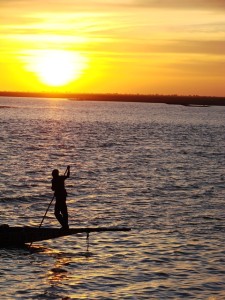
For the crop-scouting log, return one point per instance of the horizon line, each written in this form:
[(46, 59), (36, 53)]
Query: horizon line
[(188, 100)]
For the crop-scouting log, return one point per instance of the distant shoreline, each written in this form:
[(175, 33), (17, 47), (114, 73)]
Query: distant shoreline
[(168, 99)]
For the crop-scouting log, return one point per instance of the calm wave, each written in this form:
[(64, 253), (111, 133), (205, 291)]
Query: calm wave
[(156, 168)]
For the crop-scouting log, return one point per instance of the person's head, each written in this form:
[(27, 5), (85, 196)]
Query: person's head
[(55, 173)]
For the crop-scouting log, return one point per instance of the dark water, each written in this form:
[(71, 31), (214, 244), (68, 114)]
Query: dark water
[(156, 168)]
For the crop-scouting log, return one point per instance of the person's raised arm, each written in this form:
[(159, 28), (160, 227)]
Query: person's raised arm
[(68, 172)]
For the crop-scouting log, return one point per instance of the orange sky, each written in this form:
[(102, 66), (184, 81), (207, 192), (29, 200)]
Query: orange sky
[(124, 46)]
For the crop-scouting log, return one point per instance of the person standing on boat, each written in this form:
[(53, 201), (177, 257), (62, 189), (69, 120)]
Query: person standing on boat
[(58, 186)]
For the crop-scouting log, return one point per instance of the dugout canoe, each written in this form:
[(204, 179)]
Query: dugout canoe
[(18, 236)]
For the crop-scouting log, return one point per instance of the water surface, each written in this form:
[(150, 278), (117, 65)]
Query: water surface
[(154, 167)]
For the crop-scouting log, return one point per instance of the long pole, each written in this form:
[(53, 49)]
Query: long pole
[(46, 211)]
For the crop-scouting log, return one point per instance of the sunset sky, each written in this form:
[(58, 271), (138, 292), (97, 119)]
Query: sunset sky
[(113, 46)]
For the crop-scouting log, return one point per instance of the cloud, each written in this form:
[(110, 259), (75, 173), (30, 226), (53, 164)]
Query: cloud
[(208, 47), (104, 4), (197, 47), (182, 4)]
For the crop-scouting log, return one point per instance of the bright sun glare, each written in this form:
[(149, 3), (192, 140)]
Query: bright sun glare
[(58, 67)]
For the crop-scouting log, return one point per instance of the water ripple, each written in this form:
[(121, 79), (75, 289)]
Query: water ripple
[(156, 168)]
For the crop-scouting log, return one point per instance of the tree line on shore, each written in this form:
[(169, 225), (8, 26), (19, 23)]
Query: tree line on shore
[(152, 98)]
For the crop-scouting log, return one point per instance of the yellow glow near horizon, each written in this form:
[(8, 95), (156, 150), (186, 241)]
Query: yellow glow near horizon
[(57, 67), (154, 47)]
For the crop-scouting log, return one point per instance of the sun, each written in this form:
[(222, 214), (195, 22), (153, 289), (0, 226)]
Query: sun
[(58, 67)]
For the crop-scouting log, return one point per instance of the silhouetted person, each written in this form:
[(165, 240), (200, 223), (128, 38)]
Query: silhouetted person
[(58, 186)]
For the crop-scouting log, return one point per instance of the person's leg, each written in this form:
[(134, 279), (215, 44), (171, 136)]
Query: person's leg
[(64, 213), (58, 215)]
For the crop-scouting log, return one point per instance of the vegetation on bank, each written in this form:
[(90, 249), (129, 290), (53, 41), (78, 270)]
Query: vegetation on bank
[(168, 99)]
